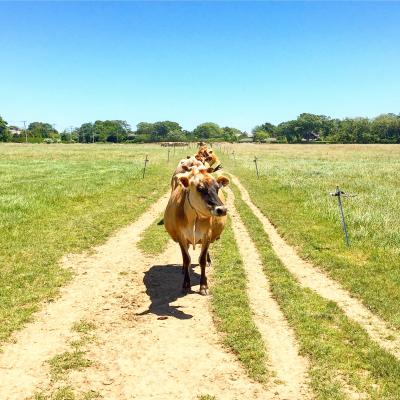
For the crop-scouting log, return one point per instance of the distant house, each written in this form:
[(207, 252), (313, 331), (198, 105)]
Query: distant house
[(311, 137), (15, 130), (246, 140)]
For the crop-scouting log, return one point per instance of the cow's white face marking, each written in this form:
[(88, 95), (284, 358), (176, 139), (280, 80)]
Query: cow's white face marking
[(203, 196)]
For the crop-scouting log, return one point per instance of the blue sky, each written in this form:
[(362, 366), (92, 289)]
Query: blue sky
[(234, 63)]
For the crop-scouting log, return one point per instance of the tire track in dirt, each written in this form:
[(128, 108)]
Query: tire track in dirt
[(155, 343), (22, 362), (310, 276), (283, 350)]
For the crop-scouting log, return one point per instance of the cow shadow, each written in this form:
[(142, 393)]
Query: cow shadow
[(164, 286)]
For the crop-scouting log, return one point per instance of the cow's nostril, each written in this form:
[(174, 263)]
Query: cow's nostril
[(221, 210)]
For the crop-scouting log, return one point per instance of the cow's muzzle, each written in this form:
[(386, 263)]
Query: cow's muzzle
[(220, 211)]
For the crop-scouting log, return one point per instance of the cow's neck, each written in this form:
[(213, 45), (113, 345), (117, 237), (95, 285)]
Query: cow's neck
[(193, 218), (191, 213)]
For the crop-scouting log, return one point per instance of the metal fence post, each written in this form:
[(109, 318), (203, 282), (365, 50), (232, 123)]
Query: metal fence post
[(338, 193)]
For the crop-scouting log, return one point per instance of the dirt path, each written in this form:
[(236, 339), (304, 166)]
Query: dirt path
[(22, 363), (139, 356), (282, 347), (136, 353), (309, 276)]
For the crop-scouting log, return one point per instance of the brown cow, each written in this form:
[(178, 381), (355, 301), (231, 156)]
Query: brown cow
[(207, 156), (196, 214), (184, 165)]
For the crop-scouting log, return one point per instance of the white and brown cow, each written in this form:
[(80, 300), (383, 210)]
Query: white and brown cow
[(196, 214)]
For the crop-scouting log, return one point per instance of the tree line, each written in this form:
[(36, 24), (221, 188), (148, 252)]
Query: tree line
[(307, 127)]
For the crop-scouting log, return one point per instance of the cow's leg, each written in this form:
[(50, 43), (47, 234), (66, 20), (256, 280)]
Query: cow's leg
[(185, 266), (208, 259), (203, 262)]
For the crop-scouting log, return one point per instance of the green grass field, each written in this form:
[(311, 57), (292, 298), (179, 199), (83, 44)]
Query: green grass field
[(342, 356), (293, 191), (57, 199)]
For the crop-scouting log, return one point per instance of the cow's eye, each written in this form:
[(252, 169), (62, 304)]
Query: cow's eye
[(201, 189)]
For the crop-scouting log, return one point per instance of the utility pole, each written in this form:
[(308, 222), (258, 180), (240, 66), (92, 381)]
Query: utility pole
[(26, 134)]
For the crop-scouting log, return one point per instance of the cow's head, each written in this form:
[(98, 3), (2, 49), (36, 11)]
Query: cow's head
[(206, 156), (211, 158), (202, 191), (186, 164)]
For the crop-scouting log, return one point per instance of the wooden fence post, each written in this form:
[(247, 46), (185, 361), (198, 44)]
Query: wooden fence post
[(145, 165), (255, 162)]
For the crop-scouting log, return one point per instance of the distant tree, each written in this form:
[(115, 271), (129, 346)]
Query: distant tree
[(158, 131), (176, 136), (117, 131), (231, 134), (144, 128), (188, 135), (266, 128), (86, 133), (65, 135), (260, 136), (385, 128), (5, 135), (208, 130), (306, 127), (42, 130), (286, 131), (354, 130), (103, 131), (161, 130)]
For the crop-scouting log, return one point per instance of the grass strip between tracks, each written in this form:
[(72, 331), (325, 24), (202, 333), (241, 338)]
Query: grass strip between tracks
[(154, 240), (343, 359), (232, 309)]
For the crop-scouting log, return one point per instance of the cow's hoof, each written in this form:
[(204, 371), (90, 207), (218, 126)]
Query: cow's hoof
[(203, 290)]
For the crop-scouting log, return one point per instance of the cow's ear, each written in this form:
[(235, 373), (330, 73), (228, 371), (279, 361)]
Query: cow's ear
[(223, 181), (184, 180), (210, 170)]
